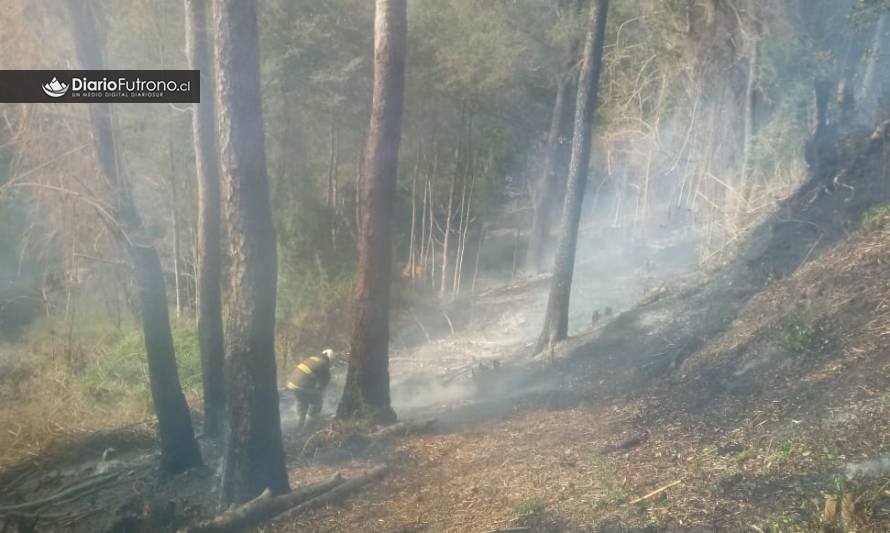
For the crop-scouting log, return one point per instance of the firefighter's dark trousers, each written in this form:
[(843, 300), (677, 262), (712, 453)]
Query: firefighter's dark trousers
[(309, 404)]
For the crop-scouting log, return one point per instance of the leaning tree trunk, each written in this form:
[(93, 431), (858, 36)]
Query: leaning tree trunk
[(210, 322), (179, 449), (253, 459), (543, 193), (556, 321), (366, 394)]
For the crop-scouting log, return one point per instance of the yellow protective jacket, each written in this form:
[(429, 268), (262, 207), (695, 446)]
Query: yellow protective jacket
[(311, 375)]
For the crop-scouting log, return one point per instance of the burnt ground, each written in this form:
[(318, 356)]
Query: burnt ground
[(755, 392)]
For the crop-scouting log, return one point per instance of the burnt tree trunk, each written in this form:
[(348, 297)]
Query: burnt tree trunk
[(366, 394), (556, 321), (253, 459), (210, 322), (179, 449)]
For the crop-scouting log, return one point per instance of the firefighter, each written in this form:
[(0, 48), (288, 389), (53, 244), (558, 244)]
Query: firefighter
[(308, 383)]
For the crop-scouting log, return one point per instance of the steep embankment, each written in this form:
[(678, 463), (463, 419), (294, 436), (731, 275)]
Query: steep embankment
[(756, 396)]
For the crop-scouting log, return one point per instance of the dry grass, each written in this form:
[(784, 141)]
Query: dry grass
[(48, 407)]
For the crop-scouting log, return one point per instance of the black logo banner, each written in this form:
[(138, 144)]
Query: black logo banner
[(85, 86)]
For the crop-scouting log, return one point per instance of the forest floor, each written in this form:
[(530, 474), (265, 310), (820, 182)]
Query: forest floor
[(752, 397), (755, 395)]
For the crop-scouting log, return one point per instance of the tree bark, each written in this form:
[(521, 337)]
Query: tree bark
[(179, 449), (210, 322), (253, 459), (556, 321), (366, 394)]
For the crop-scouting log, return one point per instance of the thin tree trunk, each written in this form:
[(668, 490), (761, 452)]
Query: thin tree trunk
[(331, 163), (366, 393), (359, 170), (556, 321), (431, 207), (412, 260), (208, 250), (750, 93), (462, 249), (332, 178), (460, 233), (253, 459), (478, 255), (174, 215), (179, 449), (421, 265), (431, 246), (545, 190), (867, 96), (516, 241), (447, 234)]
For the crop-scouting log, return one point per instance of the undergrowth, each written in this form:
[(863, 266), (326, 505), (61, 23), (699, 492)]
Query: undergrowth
[(95, 379), (800, 334), (876, 218)]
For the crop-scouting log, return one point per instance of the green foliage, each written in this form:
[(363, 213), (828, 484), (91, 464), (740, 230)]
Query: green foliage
[(784, 450), (876, 218), (608, 480), (789, 523), (530, 508), (800, 335), (745, 455), (119, 372)]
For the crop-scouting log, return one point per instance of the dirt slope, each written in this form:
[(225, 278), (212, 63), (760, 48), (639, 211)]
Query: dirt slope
[(758, 389)]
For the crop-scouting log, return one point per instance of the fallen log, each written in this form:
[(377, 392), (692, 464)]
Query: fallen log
[(263, 507), (76, 489), (402, 428), (340, 492)]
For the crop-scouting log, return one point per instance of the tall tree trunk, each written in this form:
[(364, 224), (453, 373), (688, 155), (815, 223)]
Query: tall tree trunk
[(431, 238), (254, 455), (462, 248), (556, 321), (179, 449), (750, 109), (460, 231), (174, 215), (546, 188), (446, 234), (333, 163), (210, 322), (412, 236), (366, 394)]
